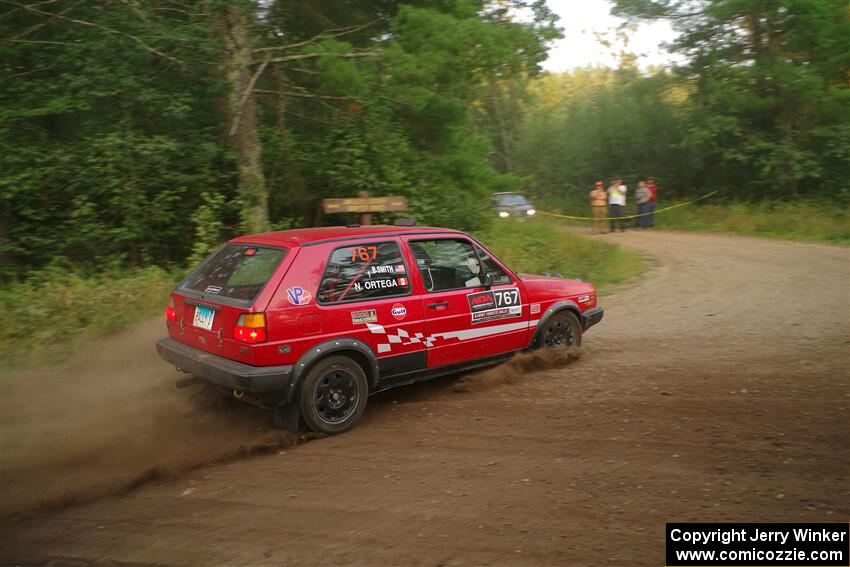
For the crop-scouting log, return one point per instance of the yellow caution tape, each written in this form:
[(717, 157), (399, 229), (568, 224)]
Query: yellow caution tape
[(706, 196)]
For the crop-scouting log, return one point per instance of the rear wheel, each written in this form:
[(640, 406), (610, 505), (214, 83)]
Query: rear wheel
[(562, 330), (333, 395)]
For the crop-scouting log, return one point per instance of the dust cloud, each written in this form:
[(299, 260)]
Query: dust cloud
[(516, 369), (110, 420)]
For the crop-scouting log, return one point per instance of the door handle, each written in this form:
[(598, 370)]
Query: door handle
[(438, 305)]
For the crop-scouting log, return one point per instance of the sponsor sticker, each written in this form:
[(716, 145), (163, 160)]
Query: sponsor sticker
[(496, 314), (212, 289), (584, 299), (481, 301), (535, 308), (298, 296), (489, 306), (284, 349), (399, 311), (364, 316)]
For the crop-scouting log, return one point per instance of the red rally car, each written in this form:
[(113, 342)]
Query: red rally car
[(307, 323)]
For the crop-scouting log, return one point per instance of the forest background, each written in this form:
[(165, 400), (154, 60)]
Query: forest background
[(137, 135), (144, 132)]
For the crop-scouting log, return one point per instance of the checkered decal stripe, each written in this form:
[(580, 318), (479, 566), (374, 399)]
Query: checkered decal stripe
[(402, 338)]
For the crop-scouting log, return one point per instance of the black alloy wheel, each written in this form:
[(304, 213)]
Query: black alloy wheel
[(562, 330), (333, 395)]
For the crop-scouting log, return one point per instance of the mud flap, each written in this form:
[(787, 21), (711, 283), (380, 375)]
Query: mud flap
[(288, 417)]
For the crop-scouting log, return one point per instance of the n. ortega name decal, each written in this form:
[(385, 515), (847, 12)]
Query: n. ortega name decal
[(380, 284), (298, 296)]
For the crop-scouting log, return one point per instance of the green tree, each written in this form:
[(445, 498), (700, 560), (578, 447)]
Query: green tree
[(770, 89)]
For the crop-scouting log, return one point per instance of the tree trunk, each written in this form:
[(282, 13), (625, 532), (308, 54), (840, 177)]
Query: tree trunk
[(242, 115)]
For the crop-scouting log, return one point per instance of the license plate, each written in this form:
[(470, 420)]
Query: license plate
[(203, 318)]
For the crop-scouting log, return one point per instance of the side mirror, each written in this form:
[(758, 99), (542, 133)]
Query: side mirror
[(488, 280)]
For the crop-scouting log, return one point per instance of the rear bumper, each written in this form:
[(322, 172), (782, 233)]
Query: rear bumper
[(225, 372), (591, 317)]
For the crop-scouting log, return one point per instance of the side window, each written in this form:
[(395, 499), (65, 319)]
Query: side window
[(446, 264), (364, 271), (491, 267)]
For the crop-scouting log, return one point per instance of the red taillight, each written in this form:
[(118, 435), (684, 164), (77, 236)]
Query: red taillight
[(251, 328), (170, 315)]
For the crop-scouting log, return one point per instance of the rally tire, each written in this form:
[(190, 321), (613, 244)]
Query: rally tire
[(561, 330), (333, 395)]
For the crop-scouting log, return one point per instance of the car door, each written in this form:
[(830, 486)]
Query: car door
[(366, 293), (464, 319)]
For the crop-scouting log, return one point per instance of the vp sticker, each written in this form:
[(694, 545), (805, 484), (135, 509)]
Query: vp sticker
[(298, 296)]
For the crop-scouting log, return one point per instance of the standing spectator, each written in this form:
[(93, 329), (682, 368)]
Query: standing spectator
[(617, 204), (598, 201), (642, 197), (653, 193)]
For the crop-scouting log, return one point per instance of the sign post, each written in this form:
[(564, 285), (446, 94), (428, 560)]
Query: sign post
[(364, 204)]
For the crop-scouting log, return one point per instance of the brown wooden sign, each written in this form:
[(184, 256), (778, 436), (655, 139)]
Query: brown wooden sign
[(365, 204)]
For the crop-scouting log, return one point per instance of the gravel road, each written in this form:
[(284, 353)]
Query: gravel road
[(716, 389)]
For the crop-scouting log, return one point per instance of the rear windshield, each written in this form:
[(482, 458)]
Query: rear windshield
[(237, 271)]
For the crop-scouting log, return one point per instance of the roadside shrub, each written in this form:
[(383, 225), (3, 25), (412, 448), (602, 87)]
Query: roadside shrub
[(542, 246), (44, 317)]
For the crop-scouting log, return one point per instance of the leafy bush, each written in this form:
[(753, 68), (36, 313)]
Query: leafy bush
[(45, 317), (541, 246)]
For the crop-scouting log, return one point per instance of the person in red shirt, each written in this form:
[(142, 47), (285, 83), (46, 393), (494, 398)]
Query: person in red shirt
[(653, 194)]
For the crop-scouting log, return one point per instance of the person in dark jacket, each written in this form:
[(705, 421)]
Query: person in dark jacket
[(642, 198)]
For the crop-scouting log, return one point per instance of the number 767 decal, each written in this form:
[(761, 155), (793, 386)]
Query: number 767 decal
[(506, 297)]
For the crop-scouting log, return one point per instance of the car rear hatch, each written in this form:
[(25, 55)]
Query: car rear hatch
[(219, 307)]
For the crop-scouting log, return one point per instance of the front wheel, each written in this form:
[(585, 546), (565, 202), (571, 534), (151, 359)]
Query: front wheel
[(333, 395), (562, 330)]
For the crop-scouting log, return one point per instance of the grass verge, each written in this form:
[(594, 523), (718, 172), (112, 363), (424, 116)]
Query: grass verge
[(793, 221), (542, 246), (44, 318)]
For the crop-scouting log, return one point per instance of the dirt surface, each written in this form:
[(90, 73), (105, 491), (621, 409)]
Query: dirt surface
[(715, 390)]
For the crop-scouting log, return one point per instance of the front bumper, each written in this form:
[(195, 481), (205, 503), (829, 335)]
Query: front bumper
[(224, 372), (591, 317)]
